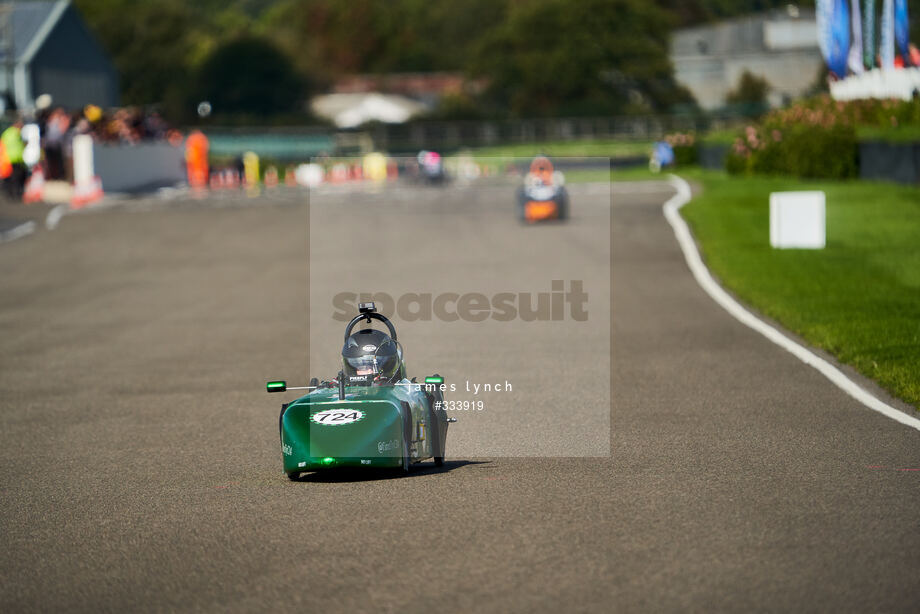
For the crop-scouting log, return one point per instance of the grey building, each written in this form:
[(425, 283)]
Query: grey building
[(46, 48), (780, 46)]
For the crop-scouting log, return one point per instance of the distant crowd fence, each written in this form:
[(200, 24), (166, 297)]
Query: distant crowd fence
[(297, 143)]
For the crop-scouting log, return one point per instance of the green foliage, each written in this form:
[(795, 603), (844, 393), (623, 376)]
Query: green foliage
[(329, 38), (817, 137), (751, 94), (149, 43), (797, 150), (587, 57), (685, 147), (457, 107), (541, 56), (749, 98), (249, 75), (719, 137), (691, 12), (686, 155), (575, 148), (890, 134)]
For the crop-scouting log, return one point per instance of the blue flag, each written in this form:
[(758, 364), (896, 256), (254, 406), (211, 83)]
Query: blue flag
[(840, 38), (902, 29)]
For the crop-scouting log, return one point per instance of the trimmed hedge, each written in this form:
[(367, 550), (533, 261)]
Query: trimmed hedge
[(686, 150)]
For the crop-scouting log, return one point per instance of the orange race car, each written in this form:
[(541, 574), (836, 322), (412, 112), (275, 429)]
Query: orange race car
[(543, 195)]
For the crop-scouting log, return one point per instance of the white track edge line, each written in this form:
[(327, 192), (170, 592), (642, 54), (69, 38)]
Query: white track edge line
[(17, 232), (54, 216), (714, 290)]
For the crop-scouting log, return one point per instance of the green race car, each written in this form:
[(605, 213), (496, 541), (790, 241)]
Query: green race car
[(370, 415)]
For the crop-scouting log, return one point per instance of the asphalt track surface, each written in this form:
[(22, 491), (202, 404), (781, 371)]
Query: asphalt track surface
[(140, 470)]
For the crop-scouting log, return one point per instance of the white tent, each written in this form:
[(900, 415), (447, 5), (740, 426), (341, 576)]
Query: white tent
[(352, 110)]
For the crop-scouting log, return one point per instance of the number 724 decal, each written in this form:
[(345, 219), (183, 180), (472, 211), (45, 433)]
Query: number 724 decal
[(337, 417)]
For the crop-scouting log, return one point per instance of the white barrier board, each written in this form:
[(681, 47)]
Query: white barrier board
[(880, 83), (309, 175), (797, 220), (33, 150), (83, 172)]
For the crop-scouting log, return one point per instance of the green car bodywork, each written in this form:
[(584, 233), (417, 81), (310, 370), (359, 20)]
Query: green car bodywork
[(391, 425)]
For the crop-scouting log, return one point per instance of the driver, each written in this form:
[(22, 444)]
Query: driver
[(541, 168), (371, 357)]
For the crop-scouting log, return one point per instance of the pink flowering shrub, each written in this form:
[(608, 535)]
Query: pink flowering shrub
[(685, 148), (814, 138)]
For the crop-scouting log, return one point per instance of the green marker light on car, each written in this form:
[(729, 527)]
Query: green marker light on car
[(279, 386)]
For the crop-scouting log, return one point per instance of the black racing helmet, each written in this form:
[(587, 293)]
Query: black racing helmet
[(371, 355)]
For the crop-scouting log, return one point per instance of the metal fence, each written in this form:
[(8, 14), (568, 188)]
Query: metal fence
[(448, 136)]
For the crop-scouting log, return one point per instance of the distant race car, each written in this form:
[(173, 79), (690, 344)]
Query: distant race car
[(431, 167), (370, 415), (543, 195)]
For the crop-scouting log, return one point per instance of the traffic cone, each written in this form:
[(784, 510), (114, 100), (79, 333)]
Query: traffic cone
[(271, 177), (86, 192), (339, 173), (35, 187)]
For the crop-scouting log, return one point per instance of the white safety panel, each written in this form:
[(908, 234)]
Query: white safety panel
[(797, 220)]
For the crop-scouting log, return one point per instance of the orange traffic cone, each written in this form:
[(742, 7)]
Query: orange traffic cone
[(271, 177), (86, 192), (35, 187), (339, 173)]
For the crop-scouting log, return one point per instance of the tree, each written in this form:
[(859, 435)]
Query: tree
[(249, 75), (691, 12), (751, 94), (149, 44), (329, 38), (586, 57)]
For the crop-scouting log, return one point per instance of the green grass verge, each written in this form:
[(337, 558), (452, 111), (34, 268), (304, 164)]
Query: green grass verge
[(859, 298), (498, 155), (721, 137), (579, 148), (635, 173)]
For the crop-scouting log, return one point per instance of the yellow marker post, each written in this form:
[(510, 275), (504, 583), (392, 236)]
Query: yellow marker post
[(375, 167), (251, 170)]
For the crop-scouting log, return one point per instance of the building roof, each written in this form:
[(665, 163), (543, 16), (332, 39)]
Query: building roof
[(31, 23)]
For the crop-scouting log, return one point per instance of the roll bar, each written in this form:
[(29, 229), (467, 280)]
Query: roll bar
[(368, 311)]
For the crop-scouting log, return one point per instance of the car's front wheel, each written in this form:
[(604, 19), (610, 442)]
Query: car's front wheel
[(407, 436), (406, 464), (434, 432)]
